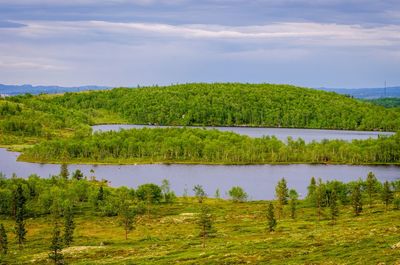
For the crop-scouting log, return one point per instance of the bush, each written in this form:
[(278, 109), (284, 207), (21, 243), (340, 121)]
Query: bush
[(237, 194), (149, 192)]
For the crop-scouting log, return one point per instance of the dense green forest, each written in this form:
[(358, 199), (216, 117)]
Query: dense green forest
[(60, 125), (74, 219), (386, 102), (193, 145), (234, 104)]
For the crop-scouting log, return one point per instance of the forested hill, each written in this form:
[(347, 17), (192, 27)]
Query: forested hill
[(234, 104)]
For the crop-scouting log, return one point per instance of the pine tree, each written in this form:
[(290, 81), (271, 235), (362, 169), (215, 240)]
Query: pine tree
[(293, 195), (3, 240), (78, 175), (205, 222), (319, 197), (64, 173), (100, 194), (199, 193), (371, 184), (282, 194), (127, 215), (217, 194), (333, 206), (311, 190), (271, 221), (56, 246), (20, 230), (356, 199), (387, 194), (69, 226)]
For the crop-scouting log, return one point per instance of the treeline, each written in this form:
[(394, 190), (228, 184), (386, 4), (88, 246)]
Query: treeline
[(194, 145), (386, 102), (235, 104), (28, 119)]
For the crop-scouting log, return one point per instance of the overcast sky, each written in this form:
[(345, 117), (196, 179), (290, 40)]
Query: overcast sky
[(314, 43)]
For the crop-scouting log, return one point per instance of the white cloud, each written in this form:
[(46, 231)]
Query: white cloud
[(296, 33)]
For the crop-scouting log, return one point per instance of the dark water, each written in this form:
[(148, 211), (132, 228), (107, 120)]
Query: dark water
[(307, 135), (257, 180)]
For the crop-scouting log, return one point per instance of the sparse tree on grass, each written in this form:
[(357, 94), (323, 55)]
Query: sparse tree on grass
[(282, 194), (69, 226), (3, 240), (237, 194), (333, 206), (20, 230), (293, 195), (56, 246), (311, 191), (387, 194), (199, 193), (271, 221), (319, 197), (217, 194), (356, 199), (205, 222), (371, 187)]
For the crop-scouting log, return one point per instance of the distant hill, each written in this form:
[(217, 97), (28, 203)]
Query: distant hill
[(386, 102), (367, 93), (34, 90)]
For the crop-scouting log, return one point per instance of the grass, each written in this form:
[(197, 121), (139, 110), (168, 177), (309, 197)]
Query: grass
[(169, 235)]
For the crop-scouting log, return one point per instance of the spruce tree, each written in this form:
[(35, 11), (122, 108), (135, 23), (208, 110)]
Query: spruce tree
[(371, 187), (293, 195), (319, 197), (282, 194), (333, 206), (205, 223), (387, 194), (64, 173), (311, 190), (271, 221), (356, 199), (69, 226), (20, 230), (199, 193), (56, 246), (3, 240)]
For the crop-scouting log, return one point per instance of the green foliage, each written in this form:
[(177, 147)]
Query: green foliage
[(387, 194), (150, 193), (371, 186), (282, 195), (78, 175), (227, 104), (64, 173), (56, 246), (333, 206), (205, 223), (167, 194), (386, 102), (294, 196), (3, 240), (199, 193), (210, 146), (20, 230), (237, 194), (356, 199), (69, 225), (271, 221)]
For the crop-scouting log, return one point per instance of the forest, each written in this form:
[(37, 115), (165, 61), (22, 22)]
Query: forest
[(75, 219), (386, 102), (193, 145)]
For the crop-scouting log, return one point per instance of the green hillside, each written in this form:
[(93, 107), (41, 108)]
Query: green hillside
[(233, 104)]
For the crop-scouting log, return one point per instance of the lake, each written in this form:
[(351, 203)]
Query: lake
[(257, 180), (308, 135)]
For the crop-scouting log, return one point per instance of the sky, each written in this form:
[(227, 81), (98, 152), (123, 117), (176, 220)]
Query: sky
[(312, 43)]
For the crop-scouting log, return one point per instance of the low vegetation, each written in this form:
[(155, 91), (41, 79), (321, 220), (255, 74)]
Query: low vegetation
[(79, 221)]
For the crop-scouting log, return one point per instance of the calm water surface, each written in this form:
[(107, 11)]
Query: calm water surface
[(258, 180), (307, 135)]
